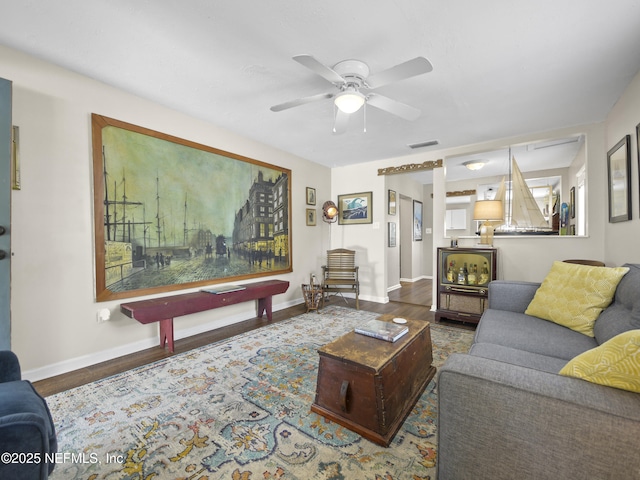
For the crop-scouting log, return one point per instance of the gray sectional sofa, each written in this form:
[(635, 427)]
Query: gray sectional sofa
[(505, 412)]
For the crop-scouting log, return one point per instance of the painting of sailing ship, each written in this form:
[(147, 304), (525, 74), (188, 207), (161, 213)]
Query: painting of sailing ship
[(172, 214)]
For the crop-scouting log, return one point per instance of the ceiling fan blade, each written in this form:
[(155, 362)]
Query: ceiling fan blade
[(301, 101), (314, 65), (391, 106), (341, 122), (411, 68)]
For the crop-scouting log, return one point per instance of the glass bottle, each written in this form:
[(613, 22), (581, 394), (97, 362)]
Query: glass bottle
[(462, 277), (450, 271), (484, 276), (472, 278)]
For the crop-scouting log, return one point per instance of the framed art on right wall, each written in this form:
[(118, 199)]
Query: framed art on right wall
[(619, 175), (417, 221), (638, 149)]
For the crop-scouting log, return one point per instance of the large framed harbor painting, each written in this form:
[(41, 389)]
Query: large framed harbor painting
[(172, 214)]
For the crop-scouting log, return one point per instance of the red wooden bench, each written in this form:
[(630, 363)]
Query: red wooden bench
[(165, 309)]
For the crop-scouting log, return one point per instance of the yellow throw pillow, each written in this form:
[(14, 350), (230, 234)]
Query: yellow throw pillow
[(615, 363), (573, 295)]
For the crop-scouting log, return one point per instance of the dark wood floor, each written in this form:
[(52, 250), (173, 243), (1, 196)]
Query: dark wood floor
[(416, 293), (412, 300)]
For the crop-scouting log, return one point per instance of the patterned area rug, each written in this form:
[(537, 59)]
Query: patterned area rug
[(240, 410)]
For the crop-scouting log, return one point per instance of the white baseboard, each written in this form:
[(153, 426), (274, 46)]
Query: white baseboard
[(393, 287), (84, 361), (366, 298), (421, 277), (369, 298)]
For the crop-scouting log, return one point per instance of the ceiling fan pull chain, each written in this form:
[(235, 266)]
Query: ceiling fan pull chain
[(335, 113), (364, 111)]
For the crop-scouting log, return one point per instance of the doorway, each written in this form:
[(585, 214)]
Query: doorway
[(406, 232), (411, 292)]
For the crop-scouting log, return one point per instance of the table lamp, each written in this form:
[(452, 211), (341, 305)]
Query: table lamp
[(487, 211)]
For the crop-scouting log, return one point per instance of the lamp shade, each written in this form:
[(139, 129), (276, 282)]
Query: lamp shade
[(488, 210)]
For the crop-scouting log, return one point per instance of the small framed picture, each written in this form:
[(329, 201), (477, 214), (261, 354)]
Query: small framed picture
[(392, 234), (417, 221), (311, 217), (572, 202), (311, 196)]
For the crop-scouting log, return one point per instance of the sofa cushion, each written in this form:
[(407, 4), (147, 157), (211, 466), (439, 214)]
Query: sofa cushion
[(573, 295), (514, 356), (624, 313), (531, 334), (615, 363)]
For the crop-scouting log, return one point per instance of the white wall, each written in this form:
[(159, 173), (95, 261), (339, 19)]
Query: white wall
[(368, 240), (54, 327), (622, 238)]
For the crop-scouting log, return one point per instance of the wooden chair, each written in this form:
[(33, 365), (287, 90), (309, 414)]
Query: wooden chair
[(593, 263), (340, 274)]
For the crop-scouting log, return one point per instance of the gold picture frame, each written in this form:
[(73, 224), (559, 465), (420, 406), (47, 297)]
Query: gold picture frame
[(311, 196), (391, 203), (171, 214), (355, 208), (311, 217)]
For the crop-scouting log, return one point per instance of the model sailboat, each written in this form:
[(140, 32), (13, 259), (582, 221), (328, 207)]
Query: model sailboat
[(525, 215)]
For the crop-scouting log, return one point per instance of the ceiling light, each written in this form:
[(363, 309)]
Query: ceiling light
[(350, 101), (474, 164)]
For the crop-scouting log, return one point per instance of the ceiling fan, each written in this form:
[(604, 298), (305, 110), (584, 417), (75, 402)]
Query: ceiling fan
[(354, 85)]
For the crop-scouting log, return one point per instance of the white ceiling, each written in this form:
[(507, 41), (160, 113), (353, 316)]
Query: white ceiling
[(500, 67)]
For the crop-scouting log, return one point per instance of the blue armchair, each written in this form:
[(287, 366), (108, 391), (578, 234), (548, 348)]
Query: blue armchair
[(27, 433)]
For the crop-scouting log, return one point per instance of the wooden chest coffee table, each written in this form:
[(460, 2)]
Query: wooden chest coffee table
[(370, 385)]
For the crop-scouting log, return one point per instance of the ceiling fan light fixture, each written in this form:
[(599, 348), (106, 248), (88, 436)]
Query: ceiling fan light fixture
[(350, 101), (474, 164)]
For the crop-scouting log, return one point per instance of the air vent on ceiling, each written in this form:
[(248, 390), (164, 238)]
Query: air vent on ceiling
[(430, 143)]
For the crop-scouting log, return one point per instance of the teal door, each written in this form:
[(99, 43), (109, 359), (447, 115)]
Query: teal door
[(5, 214)]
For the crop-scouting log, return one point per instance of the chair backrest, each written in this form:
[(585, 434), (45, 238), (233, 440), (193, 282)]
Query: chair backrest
[(341, 263), (593, 263)]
